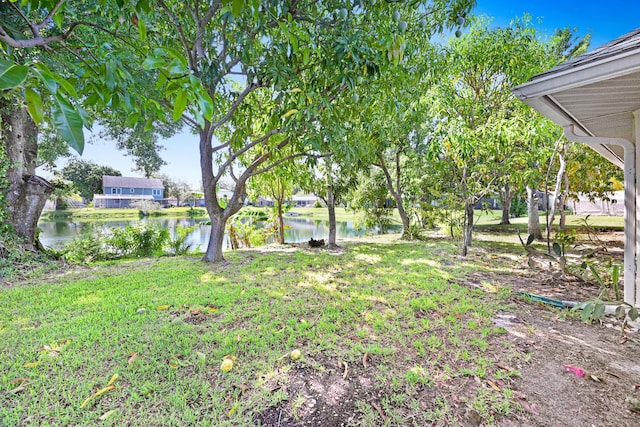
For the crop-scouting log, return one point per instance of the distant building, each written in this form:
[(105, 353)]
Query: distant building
[(304, 201), (613, 206), (120, 191)]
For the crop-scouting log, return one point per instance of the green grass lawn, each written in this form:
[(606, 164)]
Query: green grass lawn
[(491, 220), (93, 213), (390, 322)]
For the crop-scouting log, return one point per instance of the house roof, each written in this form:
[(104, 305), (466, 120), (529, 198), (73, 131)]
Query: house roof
[(594, 94), (131, 182), (622, 44), (122, 197)]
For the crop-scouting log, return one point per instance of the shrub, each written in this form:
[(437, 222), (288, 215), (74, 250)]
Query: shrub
[(145, 206), (141, 240), (89, 246), (178, 245)]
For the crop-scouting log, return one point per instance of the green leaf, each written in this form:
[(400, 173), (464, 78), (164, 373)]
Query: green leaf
[(68, 87), (153, 62), (68, 123), (48, 80), (236, 8), (615, 274), (620, 312), (586, 312), (143, 6), (92, 99), (206, 106), (289, 113), (58, 18), (132, 120), (598, 311), (179, 106), (34, 105), (142, 30), (596, 274), (633, 313), (530, 239), (12, 74), (557, 249)]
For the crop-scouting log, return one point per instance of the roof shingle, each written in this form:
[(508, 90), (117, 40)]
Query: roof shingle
[(131, 182)]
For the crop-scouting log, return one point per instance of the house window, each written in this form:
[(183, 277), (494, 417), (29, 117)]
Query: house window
[(156, 192), (116, 191), (132, 190)]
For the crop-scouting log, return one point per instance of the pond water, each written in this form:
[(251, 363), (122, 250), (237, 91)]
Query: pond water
[(55, 234)]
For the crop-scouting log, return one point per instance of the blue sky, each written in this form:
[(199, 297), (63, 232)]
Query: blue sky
[(605, 20)]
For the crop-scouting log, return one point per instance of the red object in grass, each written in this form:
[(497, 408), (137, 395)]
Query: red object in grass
[(578, 372)]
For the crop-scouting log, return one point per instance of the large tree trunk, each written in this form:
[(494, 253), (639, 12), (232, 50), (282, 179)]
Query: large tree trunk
[(506, 197), (331, 206), (533, 224), (468, 227), (27, 192), (219, 215), (216, 240)]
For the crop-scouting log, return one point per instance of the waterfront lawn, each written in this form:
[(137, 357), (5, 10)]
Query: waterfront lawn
[(388, 332)]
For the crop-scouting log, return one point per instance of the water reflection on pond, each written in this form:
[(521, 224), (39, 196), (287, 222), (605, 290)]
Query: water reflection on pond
[(55, 234)]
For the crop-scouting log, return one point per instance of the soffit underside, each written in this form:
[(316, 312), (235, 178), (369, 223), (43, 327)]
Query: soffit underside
[(604, 108)]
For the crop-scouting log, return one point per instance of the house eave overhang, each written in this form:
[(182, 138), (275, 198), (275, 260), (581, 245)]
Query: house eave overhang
[(543, 91), (581, 75)]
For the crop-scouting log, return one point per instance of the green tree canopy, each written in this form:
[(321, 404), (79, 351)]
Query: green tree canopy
[(87, 176)]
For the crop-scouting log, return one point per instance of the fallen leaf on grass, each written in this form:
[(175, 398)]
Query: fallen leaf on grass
[(379, 409), (228, 356), (575, 370), (212, 309), (96, 394), (243, 387), (112, 380), (107, 414), (30, 364), (19, 389), (53, 352), (635, 403), (493, 385), (17, 380), (132, 358), (163, 307), (519, 395), (529, 408), (505, 367), (195, 312), (233, 409)]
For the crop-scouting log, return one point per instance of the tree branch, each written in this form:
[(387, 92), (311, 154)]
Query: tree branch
[(247, 90), (233, 156), (47, 19), (183, 37)]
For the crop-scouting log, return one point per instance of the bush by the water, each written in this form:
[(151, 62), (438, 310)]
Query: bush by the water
[(146, 207), (133, 241)]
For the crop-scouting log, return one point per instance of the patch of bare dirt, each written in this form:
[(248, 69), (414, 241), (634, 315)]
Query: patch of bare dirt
[(608, 394), (554, 396), (325, 397)]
